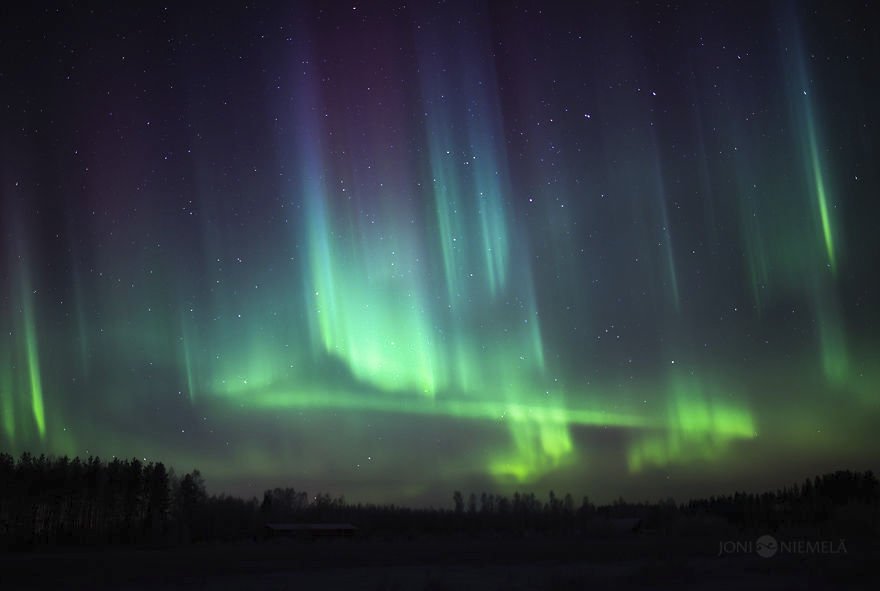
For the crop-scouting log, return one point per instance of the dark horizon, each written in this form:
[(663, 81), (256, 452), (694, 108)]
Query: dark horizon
[(128, 525), (176, 474), (387, 250), (36, 487)]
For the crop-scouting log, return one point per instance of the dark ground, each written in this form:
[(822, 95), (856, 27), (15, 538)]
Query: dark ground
[(460, 563)]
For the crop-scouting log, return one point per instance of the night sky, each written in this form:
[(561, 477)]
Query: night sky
[(390, 251)]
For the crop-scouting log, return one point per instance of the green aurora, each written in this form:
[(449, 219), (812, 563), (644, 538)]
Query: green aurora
[(398, 259)]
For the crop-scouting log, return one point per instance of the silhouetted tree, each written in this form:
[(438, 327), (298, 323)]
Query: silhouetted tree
[(458, 501), (57, 500), (157, 499)]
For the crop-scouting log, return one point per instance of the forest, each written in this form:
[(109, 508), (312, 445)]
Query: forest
[(58, 501)]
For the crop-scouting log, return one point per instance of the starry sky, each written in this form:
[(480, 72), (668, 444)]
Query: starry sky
[(389, 250)]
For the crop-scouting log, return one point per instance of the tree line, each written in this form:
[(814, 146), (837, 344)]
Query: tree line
[(49, 501)]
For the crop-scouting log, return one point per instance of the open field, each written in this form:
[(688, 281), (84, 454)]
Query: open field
[(537, 562)]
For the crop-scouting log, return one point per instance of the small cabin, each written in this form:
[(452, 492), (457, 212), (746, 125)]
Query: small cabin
[(310, 530)]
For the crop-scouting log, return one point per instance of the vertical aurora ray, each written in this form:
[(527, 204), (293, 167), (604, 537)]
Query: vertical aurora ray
[(79, 299), (540, 445), (669, 256), (835, 360), (321, 290), (468, 169), (814, 165), (83, 346), (702, 422), (833, 349), (787, 225), (762, 241), (372, 300), (451, 233), (820, 190), (489, 180), (802, 105), (189, 359), (32, 356), (533, 322), (756, 256), (665, 238), (365, 302), (832, 340), (481, 267)]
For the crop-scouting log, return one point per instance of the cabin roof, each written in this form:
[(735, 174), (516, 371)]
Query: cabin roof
[(309, 526)]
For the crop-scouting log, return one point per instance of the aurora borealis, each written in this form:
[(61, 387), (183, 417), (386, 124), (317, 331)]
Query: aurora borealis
[(390, 251)]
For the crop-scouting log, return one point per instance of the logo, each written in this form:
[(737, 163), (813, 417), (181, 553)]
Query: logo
[(766, 546)]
